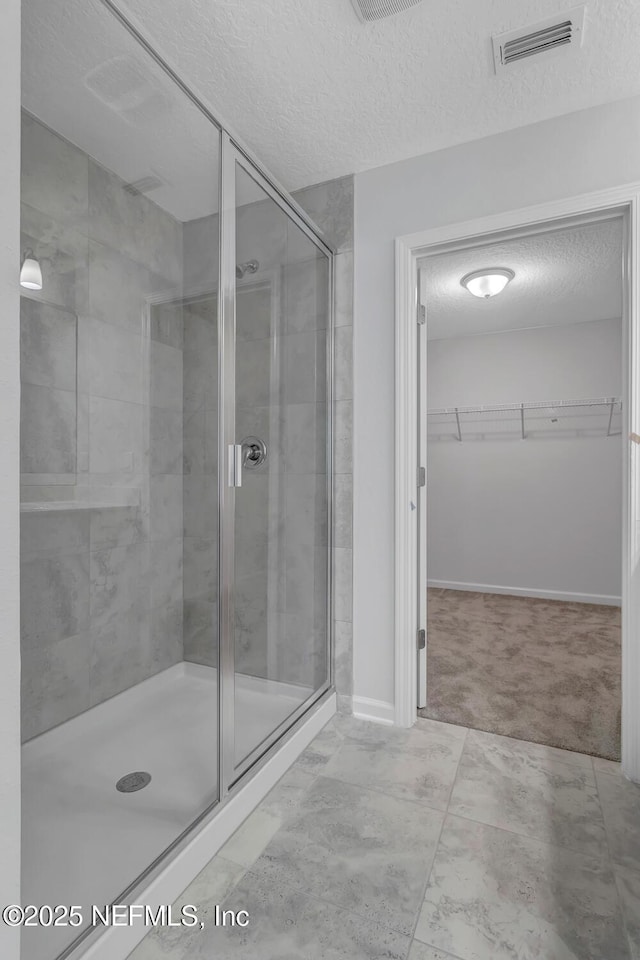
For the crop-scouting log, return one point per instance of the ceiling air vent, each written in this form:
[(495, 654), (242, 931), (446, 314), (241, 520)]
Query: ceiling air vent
[(143, 185), (562, 33), (367, 10)]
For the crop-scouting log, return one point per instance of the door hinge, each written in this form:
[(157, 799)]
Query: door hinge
[(422, 477), (422, 639), (422, 313)]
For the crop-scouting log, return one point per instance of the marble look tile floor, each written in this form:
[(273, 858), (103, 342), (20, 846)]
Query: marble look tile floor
[(435, 843)]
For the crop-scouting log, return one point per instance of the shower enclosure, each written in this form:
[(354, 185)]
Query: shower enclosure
[(175, 463)]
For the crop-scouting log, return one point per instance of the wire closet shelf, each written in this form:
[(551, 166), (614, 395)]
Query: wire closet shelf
[(560, 419)]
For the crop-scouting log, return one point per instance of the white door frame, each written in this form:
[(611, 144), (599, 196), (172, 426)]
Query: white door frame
[(409, 249)]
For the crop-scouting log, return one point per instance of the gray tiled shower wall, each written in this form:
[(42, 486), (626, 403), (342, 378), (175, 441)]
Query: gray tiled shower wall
[(287, 648), (102, 407), (120, 410), (280, 548), (331, 207), (281, 587)]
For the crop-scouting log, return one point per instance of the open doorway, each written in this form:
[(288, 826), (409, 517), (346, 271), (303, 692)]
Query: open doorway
[(522, 424)]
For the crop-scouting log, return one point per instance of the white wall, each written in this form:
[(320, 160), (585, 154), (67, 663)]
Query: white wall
[(540, 515), (577, 153), (9, 470)]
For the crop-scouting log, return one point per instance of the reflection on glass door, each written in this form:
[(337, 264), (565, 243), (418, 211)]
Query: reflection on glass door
[(281, 505), (119, 419)]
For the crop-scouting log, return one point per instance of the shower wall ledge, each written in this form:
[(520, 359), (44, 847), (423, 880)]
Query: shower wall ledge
[(62, 506)]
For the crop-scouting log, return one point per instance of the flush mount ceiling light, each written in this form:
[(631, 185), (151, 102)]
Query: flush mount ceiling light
[(30, 272), (486, 283)]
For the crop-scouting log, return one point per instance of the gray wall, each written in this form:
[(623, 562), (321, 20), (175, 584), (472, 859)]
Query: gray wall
[(570, 155), (544, 514), (101, 425)]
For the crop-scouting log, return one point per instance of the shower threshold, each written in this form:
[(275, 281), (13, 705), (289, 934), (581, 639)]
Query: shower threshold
[(84, 841)]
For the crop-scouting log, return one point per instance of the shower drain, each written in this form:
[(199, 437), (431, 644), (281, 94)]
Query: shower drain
[(133, 781)]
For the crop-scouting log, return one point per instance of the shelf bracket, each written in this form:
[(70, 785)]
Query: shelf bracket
[(524, 436), (610, 416), (458, 424)]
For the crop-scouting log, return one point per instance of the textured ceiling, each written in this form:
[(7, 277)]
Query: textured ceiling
[(317, 94), (314, 92), (564, 276)]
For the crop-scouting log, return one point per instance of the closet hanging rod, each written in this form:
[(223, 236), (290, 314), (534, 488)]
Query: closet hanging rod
[(610, 402)]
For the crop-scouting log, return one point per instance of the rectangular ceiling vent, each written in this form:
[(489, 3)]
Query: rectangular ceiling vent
[(367, 10), (562, 33)]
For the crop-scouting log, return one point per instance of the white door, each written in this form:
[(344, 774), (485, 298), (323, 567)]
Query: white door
[(422, 490)]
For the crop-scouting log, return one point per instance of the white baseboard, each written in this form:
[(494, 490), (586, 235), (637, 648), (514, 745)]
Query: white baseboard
[(116, 943), (377, 710), (526, 592)]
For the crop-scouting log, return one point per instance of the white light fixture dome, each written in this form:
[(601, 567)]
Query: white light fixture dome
[(488, 282), (30, 272)]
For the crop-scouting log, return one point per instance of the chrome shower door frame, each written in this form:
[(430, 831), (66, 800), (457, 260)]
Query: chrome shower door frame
[(232, 155)]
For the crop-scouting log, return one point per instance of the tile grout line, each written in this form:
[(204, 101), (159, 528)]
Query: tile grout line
[(612, 862), (323, 775), (384, 793), (425, 886), (447, 812), (457, 770), (524, 836), (545, 746), (246, 869), (604, 821), (437, 846), (606, 773), (411, 937), (520, 740), (437, 843)]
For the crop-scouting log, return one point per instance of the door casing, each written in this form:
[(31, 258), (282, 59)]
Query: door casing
[(410, 422)]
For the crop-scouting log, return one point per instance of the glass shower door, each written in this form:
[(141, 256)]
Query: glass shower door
[(277, 325), (119, 467)]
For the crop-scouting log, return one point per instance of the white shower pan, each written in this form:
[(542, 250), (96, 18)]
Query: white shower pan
[(83, 841)]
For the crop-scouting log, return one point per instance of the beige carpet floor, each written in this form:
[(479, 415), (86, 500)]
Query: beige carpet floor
[(540, 670)]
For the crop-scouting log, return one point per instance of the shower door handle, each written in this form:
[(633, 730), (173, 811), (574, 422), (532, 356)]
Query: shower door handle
[(251, 453), (235, 464)]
